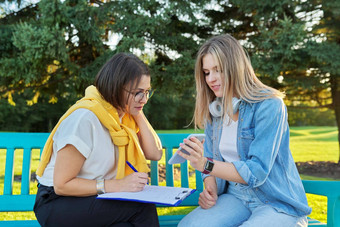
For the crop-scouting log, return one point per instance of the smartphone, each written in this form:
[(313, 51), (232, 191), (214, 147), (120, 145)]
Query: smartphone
[(176, 158)]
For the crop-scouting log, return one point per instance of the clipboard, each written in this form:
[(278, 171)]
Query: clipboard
[(164, 195)]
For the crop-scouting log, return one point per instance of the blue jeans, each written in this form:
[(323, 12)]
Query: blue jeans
[(240, 207)]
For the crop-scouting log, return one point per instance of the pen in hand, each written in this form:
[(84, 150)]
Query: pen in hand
[(133, 168)]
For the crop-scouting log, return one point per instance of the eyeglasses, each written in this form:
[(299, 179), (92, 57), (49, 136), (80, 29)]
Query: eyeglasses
[(138, 96)]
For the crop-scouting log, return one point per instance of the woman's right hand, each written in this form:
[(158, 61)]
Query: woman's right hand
[(134, 182)]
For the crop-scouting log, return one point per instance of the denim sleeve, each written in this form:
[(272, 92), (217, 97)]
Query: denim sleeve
[(270, 120), (207, 146)]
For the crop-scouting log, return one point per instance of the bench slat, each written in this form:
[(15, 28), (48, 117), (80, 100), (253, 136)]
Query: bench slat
[(23, 140), (154, 173), (184, 175), (26, 172), (169, 169), (20, 223), (16, 202), (170, 220), (9, 171)]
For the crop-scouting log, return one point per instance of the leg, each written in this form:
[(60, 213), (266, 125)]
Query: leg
[(228, 211), (137, 214), (123, 224), (54, 210), (267, 216)]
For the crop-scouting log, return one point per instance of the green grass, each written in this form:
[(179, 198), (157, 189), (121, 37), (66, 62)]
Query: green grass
[(314, 144), (307, 144)]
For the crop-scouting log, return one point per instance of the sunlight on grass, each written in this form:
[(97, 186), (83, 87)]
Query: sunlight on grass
[(174, 210), (314, 144), (7, 216), (319, 207)]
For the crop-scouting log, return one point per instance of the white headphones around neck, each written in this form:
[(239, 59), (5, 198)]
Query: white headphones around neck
[(216, 107)]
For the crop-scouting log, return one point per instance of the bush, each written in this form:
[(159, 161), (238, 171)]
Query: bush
[(311, 117)]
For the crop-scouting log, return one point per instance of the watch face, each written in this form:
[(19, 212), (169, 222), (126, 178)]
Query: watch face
[(209, 166)]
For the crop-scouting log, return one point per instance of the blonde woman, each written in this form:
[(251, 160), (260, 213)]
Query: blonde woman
[(249, 174)]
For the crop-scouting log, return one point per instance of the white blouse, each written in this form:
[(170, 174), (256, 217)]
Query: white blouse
[(83, 130), (228, 146)]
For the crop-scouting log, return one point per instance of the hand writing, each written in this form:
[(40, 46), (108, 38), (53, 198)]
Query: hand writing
[(132, 183)]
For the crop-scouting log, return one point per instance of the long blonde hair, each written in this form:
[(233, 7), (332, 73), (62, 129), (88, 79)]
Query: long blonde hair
[(237, 74)]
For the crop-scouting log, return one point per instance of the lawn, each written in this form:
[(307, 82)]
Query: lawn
[(307, 144)]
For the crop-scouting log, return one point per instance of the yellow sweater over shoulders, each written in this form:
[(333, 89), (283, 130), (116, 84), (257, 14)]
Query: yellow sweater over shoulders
[(123, 135)]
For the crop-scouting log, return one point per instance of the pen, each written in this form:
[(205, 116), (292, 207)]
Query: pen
[(133, 168)]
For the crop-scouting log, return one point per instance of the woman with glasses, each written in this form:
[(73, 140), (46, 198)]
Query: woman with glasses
[(87, 152), (249, 173)]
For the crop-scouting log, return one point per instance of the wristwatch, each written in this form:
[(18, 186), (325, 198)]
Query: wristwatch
[(209, 165)]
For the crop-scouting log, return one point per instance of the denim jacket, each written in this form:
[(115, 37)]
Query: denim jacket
[(266, 163)]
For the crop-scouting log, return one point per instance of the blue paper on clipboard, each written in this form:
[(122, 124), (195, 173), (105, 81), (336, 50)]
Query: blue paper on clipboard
[(165, 195)]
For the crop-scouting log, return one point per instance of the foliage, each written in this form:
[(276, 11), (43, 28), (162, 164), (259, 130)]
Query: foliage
[(52, 50), (305, 116), (30, 118), (323, 48)]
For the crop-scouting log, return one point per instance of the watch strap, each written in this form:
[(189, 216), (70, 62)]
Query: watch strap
[(206, 170)]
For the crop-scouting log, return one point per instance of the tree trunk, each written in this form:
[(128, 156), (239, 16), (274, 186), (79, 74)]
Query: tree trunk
[(335, 88)]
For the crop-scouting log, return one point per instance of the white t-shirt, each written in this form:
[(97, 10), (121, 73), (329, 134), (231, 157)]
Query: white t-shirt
[(83, 130), (228, 146)]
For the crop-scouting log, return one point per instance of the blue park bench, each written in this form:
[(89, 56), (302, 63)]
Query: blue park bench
[(24, 201)]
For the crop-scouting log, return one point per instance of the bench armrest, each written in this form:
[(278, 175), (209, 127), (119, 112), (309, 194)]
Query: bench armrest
[(331, 189)]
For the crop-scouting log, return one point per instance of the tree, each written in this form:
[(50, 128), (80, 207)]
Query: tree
[(53, 50), (324, 50), (291, 47)]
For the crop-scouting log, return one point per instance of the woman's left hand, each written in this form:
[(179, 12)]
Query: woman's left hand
[(148, 138), (195, 148)]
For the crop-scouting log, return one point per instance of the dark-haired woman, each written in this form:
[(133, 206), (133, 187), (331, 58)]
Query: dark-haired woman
[(86, 153)]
